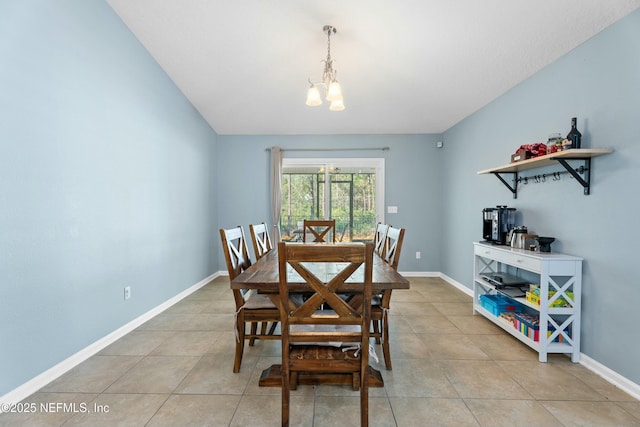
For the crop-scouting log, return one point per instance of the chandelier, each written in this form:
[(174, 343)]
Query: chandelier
[(329, 80)]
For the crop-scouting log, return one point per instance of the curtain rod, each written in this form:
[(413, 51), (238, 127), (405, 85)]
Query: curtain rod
[(333, 149)]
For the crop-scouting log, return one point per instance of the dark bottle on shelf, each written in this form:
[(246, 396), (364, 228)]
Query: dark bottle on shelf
[(574, 136)]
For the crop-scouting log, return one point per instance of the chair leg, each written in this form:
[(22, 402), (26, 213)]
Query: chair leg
[(239, 344), (364, 400), (254, 330), (385, 341), (285, 396), (376, 330)]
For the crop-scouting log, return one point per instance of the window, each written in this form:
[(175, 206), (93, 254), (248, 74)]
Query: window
[(354, 196)]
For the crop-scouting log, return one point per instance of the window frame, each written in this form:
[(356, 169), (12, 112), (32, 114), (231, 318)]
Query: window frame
[(376, 163)]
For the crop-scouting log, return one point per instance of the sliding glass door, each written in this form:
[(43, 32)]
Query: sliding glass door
[(347, 190)]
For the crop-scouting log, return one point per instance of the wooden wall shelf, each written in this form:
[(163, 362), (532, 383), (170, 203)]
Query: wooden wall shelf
[(561, 157)]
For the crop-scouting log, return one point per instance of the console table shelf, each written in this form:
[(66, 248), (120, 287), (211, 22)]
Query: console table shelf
[(561, 157), (559, 275)]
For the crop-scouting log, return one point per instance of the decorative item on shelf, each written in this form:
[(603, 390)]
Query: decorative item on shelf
[(329, 80), (545, 243), (529, 151), (520, 154), (574, 136), (554, 141), (529, 241)]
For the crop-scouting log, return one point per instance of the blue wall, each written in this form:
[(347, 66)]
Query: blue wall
[(412, 183), (105, 182), (599, 83)]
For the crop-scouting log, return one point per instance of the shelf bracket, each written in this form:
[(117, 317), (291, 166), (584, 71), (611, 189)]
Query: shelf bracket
[(586, 182), (514, 188)]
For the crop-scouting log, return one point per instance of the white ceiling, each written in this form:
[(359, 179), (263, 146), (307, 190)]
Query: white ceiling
[(405, 66)]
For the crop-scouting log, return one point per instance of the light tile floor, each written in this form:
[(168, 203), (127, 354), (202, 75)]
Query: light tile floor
[(450, 368)]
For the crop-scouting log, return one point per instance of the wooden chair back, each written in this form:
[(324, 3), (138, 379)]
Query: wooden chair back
[(379, 238), (260, 239), (393, 246), (234, 247), (309, 332), (251, 308), (319, 230)]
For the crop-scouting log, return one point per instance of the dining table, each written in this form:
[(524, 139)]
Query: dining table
[(263, 277)]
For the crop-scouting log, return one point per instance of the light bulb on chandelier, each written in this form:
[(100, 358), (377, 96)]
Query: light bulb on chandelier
[(329, 80)]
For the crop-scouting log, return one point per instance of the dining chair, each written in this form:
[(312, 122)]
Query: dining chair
[(326, 341), (381, 304), (261, 245), (251, 307), (260, 239), (379, 237), (319, 230), (378, 246)]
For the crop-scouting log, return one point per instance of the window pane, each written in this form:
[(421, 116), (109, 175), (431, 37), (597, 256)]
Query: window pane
[(299, 201), (351, 200)]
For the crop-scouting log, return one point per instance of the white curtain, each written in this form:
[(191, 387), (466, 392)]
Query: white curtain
[(276, 186)]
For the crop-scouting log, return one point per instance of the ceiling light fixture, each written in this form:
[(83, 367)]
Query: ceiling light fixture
[(329, 80)]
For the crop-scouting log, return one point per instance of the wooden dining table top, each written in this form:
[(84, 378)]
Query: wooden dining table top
[(263, 276)]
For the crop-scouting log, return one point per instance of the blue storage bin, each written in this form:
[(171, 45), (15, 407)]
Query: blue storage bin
[(497, 303)]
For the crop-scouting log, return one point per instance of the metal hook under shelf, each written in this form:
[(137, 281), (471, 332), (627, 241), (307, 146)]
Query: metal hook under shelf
[(556, 176)]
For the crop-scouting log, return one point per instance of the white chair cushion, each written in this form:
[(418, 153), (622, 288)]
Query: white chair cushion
[(253, 300)]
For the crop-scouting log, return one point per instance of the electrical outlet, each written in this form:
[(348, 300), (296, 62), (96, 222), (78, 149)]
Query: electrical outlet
[(127, 292), (417, 255)]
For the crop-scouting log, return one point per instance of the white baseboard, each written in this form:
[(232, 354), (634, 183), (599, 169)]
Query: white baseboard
[(36, 383), (420, 273), (611, 376), (443, 276), (457, 285)]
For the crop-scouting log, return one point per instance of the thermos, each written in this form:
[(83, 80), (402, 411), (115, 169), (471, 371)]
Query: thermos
[(518, 237)]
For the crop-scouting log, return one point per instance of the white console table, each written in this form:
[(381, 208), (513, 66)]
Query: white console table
[(553, 272)]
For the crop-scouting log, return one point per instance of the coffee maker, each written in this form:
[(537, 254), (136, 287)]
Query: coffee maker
[(496, 223)]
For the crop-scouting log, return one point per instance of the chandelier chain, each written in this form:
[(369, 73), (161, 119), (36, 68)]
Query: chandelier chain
[(329, 44), (329, 74)]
